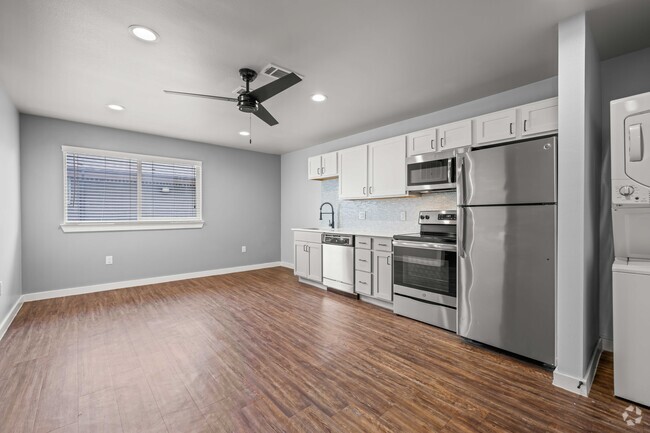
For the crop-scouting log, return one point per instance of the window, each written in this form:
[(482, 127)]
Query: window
[(108, 191)]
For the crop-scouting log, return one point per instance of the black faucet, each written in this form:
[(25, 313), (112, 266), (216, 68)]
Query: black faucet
[(331, 224)]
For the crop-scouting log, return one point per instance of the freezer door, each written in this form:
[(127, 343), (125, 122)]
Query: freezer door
[(518, 173), (506, 278)]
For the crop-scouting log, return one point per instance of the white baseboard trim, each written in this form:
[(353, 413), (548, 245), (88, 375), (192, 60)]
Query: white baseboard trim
[(377, 302), (608, 345), (4, 326), (28, 297), (312, 283), (580, 386), (286, 265)]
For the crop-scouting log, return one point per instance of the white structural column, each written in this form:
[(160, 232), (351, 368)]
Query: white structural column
[(577, 342)]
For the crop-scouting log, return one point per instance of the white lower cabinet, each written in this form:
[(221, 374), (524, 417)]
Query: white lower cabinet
[(308, 256), (373, 276), (383, 275)]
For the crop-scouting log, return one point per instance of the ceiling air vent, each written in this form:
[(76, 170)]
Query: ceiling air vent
[(239, 90), (275, 71)]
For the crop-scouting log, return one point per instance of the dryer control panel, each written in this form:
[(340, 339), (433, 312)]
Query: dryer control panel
[(628, 192)]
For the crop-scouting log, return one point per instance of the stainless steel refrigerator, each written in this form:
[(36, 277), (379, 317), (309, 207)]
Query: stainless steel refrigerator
[(507, 247)]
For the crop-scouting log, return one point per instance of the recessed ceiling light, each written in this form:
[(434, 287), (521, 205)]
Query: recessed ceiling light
[(115, 107), (244, 133), (144, 33), (318, 97)]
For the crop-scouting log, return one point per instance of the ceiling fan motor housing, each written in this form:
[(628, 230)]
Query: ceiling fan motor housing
[(247, 103)]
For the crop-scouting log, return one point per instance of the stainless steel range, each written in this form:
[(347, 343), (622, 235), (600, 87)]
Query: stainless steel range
[(424, 271)]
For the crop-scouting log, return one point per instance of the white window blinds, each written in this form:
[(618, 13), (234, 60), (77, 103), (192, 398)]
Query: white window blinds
[(103, 187)]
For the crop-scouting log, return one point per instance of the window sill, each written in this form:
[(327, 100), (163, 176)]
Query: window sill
[(130, 226)]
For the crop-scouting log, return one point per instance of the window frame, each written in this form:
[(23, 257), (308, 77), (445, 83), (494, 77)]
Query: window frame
[(141, 224)]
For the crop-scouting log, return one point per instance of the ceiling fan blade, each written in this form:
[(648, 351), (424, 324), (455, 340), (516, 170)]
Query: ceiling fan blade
[(275, 87), (199, 95), (265, 115)]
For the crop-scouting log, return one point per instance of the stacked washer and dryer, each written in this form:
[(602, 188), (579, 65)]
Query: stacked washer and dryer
[(630, 150)]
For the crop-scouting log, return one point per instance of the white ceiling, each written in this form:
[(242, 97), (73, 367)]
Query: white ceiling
[(379, 61)]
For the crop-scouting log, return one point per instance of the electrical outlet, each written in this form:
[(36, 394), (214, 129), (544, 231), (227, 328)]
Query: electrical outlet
[(402, 215), (109, 260), (243, 248), (362, 215)]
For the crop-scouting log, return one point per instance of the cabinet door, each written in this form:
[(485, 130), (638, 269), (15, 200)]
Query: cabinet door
[(383, 276), (387, 171), (496, 127), (454, 135), (353, 172), (539, 117), (421, 142), (329, 164), (315, 252), (301, 259), (314, 167)]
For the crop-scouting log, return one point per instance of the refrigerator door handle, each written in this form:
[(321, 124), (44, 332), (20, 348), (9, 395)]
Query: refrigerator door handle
[(461, 179), (461, 229)]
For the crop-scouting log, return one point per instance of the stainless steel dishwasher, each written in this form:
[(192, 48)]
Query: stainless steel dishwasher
[(338, 261)]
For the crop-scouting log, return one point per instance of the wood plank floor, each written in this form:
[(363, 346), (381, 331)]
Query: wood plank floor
[(260, 352)]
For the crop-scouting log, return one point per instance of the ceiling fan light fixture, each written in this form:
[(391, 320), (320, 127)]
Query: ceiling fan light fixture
[(143, 33), (244, 133), (115, 107), (318, 97)]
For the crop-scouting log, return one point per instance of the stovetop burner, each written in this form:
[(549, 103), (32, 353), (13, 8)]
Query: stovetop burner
[(435, 227)]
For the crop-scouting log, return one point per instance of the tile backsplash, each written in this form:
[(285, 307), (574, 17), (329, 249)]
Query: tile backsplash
[(382, 214)]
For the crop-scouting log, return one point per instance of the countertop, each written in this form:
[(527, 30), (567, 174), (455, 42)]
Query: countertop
[(380, 233)]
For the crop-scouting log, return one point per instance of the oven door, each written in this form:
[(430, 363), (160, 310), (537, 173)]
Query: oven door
[(423, 173), (425, 271)]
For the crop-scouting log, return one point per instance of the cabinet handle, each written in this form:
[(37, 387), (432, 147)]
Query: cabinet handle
[(362, 243), (364, 190), (362, 282), (363, 260), (510, 128), (442, 142), (383, 245), (388, 260), (433, 144), (307, 248), (525, 121), (318, 170), (370, 190)]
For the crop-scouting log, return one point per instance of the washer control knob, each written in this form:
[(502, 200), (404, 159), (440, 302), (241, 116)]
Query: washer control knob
[(626, 190)]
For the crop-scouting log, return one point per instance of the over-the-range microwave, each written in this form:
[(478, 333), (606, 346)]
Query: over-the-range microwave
[(431, 172)]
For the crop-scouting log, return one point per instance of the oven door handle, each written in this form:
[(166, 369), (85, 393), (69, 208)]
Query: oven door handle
[(424, 245)]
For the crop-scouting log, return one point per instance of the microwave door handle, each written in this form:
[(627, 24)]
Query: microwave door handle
[(449, 170)]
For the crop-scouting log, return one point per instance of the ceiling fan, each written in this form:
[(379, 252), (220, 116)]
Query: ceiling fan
[(251, 101)]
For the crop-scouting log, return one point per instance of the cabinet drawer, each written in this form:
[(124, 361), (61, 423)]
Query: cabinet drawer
[(314, 237), (382, 244), (363, 242), (363, 260), (363, 283)]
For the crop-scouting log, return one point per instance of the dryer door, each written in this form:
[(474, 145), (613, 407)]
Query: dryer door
[(637, 148), (631, 232)]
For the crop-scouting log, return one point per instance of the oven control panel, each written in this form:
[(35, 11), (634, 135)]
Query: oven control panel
[(437, 217)]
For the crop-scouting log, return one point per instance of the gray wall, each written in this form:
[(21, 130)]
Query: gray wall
[(241, 206), (620, 77), (10, 268), (578, 202), (301, 197)]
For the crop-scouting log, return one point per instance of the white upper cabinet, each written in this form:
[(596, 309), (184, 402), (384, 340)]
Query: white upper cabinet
[(353, 172), (329, 164), (313, 167), (421, 142), (454, 135), (495, 127), (538, 118), (323, 166), (387, 168)]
